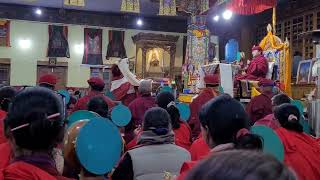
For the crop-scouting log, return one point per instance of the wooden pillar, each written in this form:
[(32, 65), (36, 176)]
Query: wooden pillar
[(144, 61), (172, 61), (136, 60)]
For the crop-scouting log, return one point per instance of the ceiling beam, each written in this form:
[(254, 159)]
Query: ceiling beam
[(91, 18)]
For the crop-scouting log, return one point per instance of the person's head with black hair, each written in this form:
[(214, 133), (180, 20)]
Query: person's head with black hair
[(7, 93), (35, 120), (157, 119), (98, 104), (115, 71), (166, 101), (241, 165), (280, 99), (224, 120), (288, 116)]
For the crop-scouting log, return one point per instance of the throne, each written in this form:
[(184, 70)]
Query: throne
[(276, 53)]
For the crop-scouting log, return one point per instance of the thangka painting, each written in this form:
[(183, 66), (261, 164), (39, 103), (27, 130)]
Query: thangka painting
[(167, 7), (5, 33), (130, 6), (197, 48), (92, 47), (58, 41), (304, 72), (198, 41), (116, 45)]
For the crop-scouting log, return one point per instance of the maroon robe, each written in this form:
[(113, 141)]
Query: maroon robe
[(206, 95), (182, 136), (124, 91), (139, 106), (260, 106), (3, 138), (199, 149), (21, 171), (83, 102), (121, 94), (269, 121), (258, 68), (301, 153)]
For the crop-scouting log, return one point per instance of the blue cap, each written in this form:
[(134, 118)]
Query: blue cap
[(121, 115), (99, 146), (81, 115), (271, 141), (184, 111)]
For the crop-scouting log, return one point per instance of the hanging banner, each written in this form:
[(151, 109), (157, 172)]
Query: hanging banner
[(116, 45), (58, 41), (74, 2), (196, 51), (92, 47), (250, 7), (198, 41), (5, 33), (130, 6), (167, 8), (204, 6)]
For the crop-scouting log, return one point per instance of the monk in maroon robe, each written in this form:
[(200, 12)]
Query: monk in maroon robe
[(121, 88), (96, 89), (138, 107), (257, 68), (206, 94), (261, 105)]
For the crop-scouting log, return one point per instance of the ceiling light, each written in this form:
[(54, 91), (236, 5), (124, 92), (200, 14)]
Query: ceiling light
[(216, 18), (227, 14), (79, 48), (139, 22), (38, 11)]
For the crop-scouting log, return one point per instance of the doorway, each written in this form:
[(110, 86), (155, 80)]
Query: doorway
[(60, 70)]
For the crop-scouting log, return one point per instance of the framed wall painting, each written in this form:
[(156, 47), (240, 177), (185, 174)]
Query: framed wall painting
[(304, 72)]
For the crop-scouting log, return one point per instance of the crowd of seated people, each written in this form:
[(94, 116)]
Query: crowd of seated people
[(157, 143)]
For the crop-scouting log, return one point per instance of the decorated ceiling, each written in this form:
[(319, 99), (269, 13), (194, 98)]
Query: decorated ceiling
[(148, 7)]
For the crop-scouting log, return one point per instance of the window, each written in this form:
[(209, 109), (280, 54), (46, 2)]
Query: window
[(4, 71)]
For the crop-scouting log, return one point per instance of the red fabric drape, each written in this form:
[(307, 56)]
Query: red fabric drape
[(247, 7)]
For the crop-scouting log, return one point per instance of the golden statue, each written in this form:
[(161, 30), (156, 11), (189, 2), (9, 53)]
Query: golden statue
[(154, 64)]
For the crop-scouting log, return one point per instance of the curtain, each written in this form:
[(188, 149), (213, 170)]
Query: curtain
[(58, 41), (92, 47), (116, 45), (130, 6)]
